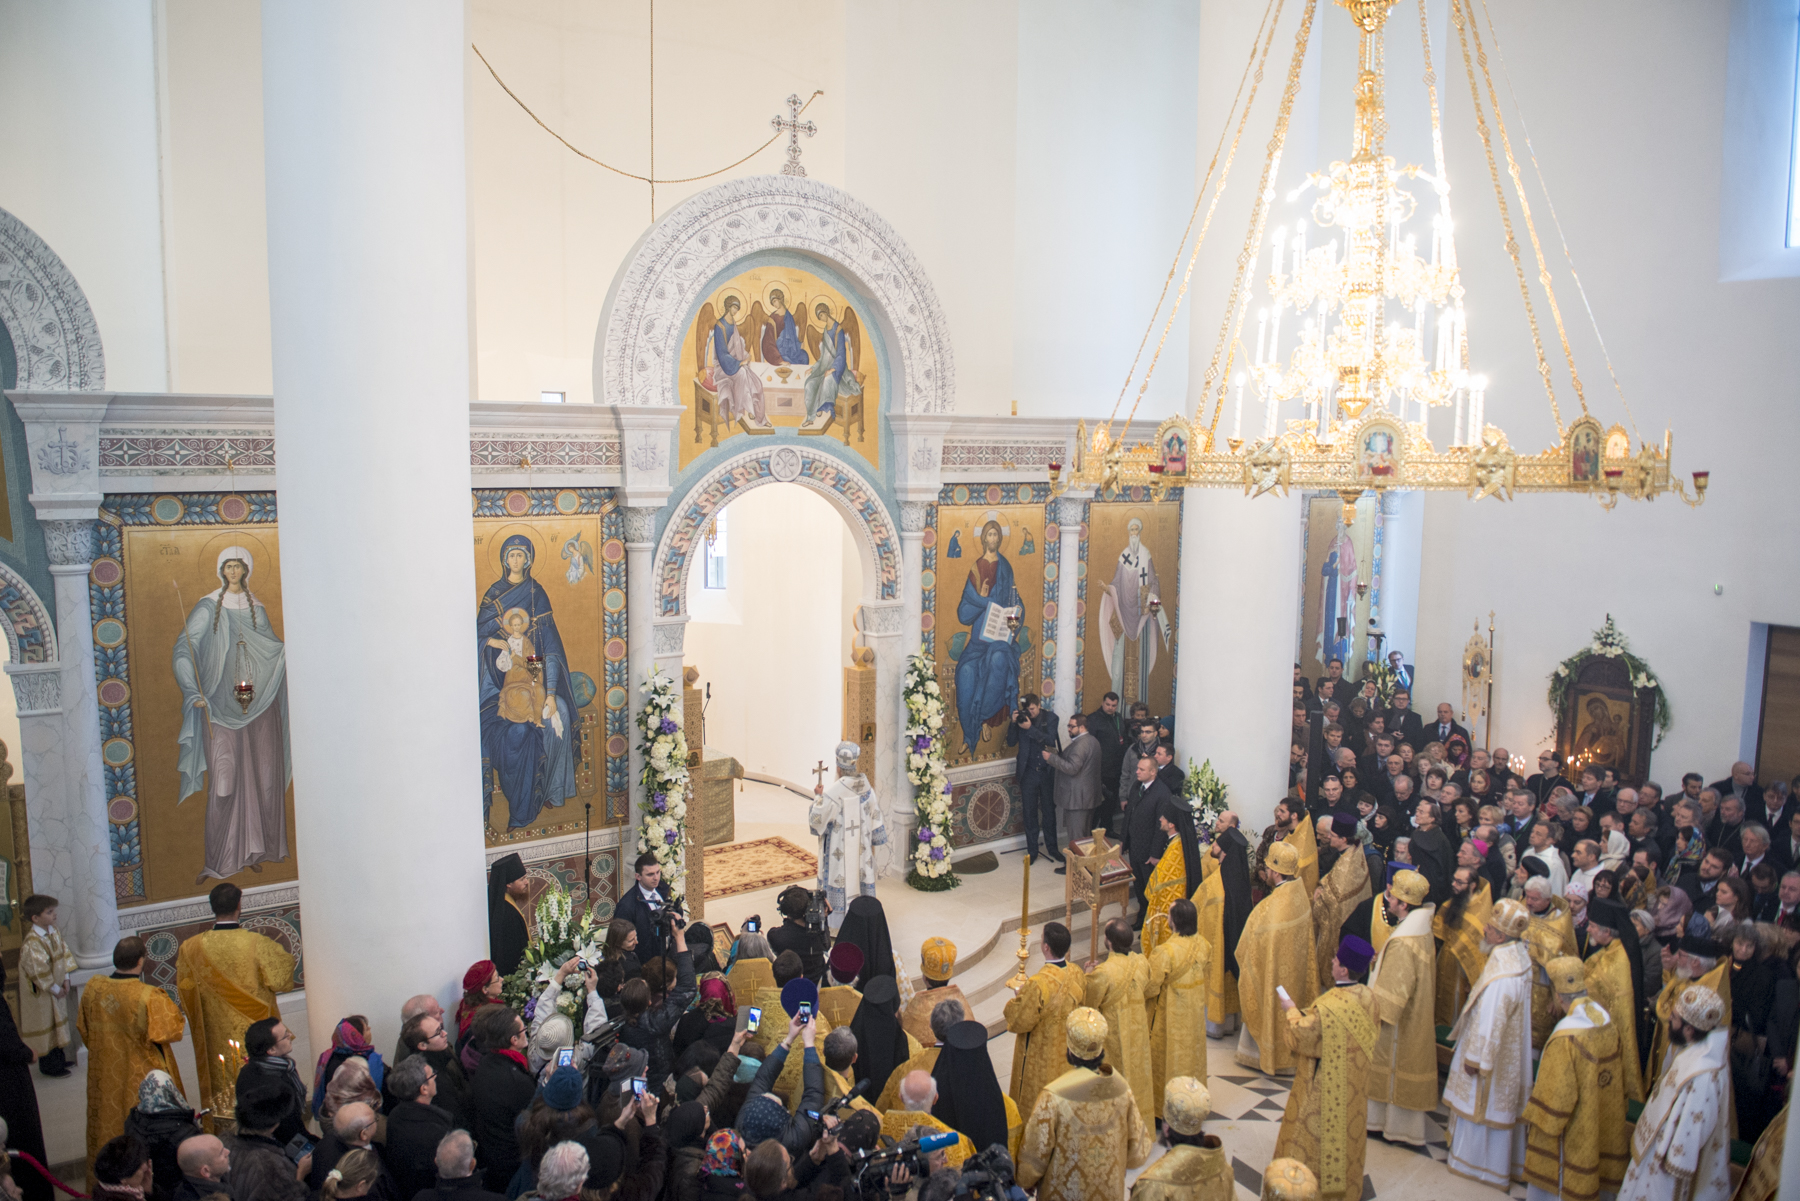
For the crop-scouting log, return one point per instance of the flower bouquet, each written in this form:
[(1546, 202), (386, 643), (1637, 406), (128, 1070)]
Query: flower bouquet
[(663, 831), (926, 769)]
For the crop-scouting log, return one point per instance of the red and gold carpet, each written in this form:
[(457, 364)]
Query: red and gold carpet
[(739, 867)]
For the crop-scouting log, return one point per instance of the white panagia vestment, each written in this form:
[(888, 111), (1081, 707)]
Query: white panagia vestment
[(1681, 1149), (1494, 1034), (847, 820)]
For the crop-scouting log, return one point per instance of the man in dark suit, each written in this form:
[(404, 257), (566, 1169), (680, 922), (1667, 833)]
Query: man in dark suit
[(1033, 731), (1144, 839), (1742, 785), (1403, 671), (1079, 775), (1785, 843), (1403, 723), (641, 903), (1334, 671), (1109, 729), (1172, 777), (1445, 728), (1787, 914), (1593, 793), (1549, 776)]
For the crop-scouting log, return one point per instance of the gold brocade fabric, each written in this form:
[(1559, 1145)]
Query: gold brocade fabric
[(837, 1002), (1327, 1112), (1404, 1069), (1762, 1179), (1719, 980), (776, 1019), (915, 1019), (1177, 995), (1167, 884), (1276, 948), (1379, 930), (922, 1060), (1344, 888), (746, 977), (1302, 839), (1221, 985), (44, 962), (1462, 954), (1038, 1014), (228, 979), (128, 1027), (1548, 937), (1083, 1135), (1608, 974), (1576, 1142), (1118, 988), (896, 1122), (1187, 1173)]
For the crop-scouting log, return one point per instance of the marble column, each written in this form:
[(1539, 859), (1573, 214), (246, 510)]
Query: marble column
[(1240, 593), (640, 618), (364, 134), (912, 567), (884, 626), (1069, 512)]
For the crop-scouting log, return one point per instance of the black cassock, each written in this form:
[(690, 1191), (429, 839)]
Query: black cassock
[(507, 935), (18, 1104)]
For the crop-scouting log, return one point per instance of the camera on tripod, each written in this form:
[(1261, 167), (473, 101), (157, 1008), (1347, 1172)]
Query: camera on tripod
[(816, 910), (665, 919)]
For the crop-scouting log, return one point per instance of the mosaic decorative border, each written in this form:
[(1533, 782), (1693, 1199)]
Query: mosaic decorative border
[(543, 451), (616, 694), (985, 811), (172, 452), (975, 454)]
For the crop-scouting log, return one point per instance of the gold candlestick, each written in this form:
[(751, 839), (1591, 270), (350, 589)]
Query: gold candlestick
[(1020, 977)]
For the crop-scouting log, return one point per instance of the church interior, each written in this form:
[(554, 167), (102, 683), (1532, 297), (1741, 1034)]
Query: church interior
[(822, 390)]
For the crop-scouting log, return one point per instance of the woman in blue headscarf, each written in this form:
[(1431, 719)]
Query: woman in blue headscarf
[(527, 705), (987, 672)]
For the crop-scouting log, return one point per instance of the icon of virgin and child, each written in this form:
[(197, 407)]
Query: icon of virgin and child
[(528, 727), (987, 671)]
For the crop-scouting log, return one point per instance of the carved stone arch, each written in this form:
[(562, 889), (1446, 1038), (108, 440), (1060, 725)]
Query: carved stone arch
[(847, 489), (53, 330), (646, 313), (30, 636)]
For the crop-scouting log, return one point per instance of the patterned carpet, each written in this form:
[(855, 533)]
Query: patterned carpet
[(762, 863)]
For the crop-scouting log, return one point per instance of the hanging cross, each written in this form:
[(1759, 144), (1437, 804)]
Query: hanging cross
[(795, 127)]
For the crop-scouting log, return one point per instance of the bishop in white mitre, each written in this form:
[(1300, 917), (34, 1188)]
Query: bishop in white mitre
[(847, 820), (1490, 1074), (1681, 1149)]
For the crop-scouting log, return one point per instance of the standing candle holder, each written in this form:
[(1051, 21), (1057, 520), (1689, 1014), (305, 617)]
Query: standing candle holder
[(1019, 977)]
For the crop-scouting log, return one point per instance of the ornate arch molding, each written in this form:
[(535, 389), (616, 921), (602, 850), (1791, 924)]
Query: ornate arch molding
[(30, 638), (645, 316), (832, 478), (53, 329)]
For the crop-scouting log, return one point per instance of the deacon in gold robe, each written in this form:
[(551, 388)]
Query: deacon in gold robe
[(944, 1017), (1085, 1131), (1403, 1074), (1343, 888), (1276, 950), (1177, 997), (1195, 1167), (1117, 987), (1462, 952), (1176, 873), (1332, 1041), (1038, 1014), (1489, 1081), (1697, 961), (839, 998), (1224, 904), (1551, 935), (1576, 1144), (1302, 840), (128, 1027), (1610, 984), (228, 977), (937, 959)]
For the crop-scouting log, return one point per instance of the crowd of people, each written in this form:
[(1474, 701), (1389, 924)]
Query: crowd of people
[(1607, 974)]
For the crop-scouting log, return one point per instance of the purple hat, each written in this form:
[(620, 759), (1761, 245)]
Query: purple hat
[(1355, 954)]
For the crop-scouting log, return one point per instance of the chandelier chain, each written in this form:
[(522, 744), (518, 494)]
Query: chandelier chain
[(1257, 60), (1461, 22), (1228, 331), (1512, 167), (1556, 221)]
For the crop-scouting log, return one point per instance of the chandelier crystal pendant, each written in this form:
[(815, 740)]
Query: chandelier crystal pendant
[(1360, 325)]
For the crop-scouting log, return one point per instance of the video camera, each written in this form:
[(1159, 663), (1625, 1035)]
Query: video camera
[(816, 912), (665, 918), (869, 1170)]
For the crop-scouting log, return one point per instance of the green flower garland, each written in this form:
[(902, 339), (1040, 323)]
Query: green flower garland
[(1610, 643)]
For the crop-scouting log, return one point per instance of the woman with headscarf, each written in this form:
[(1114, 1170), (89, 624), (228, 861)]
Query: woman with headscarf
[(880, 1040), (1672, 916), (866, 927), (1384, 827), (162, 1119), (713, 1017), (969, 1099), (508, 932), (706, 960), (349, 1041), (481, 986), (722, 1166)]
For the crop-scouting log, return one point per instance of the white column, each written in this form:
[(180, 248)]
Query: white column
[(884, 624), (912, 567), (1070, 511), (365, 130), (1240, 589), (640, 617)]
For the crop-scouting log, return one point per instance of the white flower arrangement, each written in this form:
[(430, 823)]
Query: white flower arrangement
[(929, 774), (557, 938), (663, 831), (1205, 795)]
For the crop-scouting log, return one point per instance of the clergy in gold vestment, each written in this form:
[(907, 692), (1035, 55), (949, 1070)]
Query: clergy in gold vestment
[(1344, 887), (228, 977), (1038, 1014), (937, 960), (1195, 1167), (1276, 949), (1302, 840), (1551, 935), (1117, 987), (1403, 1073), (1576, 1144), (1489, 1081), (1608, 976), (1224, 903), (1085, 1131), (1457, 927), (1697, 961), (944, 1016), (128, 1027), (1323, 1126), (1177, 997)]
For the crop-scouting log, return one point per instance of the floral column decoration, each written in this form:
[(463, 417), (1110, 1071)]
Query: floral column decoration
[(663, 831), (926, 769)]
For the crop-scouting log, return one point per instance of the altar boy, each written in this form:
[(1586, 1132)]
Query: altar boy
[(45, 963)]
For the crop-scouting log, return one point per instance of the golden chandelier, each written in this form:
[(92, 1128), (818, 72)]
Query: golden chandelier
[(1361, 333)]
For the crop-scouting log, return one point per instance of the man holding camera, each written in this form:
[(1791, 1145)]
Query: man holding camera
[(797, 934), (1034, 733), (646, 906)]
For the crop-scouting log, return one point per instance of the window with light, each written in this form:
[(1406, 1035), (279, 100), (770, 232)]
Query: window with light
[(714, 555)]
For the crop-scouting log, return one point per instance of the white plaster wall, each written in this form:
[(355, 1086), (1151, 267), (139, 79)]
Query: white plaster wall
[(78, 164), (9, 731), (774, 651)]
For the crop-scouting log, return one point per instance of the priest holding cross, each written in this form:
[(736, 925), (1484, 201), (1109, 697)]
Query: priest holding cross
[(847, 820)]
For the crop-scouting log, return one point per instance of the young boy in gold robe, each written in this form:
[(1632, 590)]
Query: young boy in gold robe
[(1576, 1143), (45, 964)]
